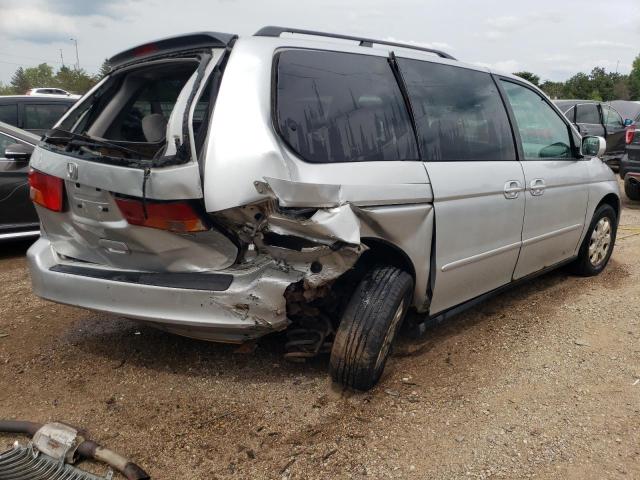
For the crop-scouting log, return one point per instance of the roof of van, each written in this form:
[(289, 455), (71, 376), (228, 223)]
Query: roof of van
[(19, 133), (36, 99), (306, 38), (574, 101)]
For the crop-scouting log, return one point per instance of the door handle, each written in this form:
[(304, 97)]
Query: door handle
[(537, 187), (512, 189)]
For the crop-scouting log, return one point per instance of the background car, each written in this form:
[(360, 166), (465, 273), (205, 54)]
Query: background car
[(18, 217), (35, 114), (630, 163), (45, 92), (600, 119), (626, 108)]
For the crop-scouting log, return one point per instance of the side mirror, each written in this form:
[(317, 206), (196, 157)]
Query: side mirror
[(628, 122), (18, 152), (593, 146)]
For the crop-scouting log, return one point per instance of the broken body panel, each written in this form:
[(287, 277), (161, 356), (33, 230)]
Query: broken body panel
[(247, 206)]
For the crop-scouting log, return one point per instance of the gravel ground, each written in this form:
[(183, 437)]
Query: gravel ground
[(540, 382)]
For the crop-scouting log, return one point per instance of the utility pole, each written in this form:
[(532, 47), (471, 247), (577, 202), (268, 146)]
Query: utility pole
[(61, 58), (75, 41)]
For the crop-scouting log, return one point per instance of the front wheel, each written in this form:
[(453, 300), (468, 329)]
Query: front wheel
[(368, 327), (597, 245)]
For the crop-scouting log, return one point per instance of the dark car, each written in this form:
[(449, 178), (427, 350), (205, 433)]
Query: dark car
[(31, 113), (626, 108), (601, 119), (18, 218), (630, 163)]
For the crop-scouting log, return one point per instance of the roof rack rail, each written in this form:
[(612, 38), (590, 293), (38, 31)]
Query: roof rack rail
[(272, 31)]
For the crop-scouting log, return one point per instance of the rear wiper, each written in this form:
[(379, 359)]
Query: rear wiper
[(86, 140)]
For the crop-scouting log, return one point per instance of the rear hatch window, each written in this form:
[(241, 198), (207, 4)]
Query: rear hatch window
[(125, 120), (142, 115)]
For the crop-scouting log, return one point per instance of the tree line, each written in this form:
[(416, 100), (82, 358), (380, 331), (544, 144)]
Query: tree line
[(74, 80), (597, 85)]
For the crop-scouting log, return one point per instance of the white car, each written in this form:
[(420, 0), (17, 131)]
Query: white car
[(48, 92)]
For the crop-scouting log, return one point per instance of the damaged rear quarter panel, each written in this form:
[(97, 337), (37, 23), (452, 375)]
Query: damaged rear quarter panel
[(247, 163), (407, 226)]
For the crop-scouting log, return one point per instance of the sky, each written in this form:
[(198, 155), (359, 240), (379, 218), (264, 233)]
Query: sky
[(552, 38)]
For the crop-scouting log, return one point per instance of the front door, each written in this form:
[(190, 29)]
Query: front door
[(556, 181), (588, 120), (466, 140)]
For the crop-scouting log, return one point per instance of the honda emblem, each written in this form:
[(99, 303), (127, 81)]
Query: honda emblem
[(72, 171)]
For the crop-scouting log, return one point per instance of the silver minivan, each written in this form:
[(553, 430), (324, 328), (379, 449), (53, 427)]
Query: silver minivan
[(224, 188)]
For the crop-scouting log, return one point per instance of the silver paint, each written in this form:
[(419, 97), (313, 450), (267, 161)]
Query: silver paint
[(493, 221), (252, 306)]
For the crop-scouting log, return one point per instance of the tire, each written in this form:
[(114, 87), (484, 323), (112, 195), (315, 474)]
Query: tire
[(632, 189), (368, 327), (594, 254)]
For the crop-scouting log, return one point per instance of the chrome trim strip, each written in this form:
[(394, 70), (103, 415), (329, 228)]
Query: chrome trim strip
[(548, 235), (480, 256), (28, 233)]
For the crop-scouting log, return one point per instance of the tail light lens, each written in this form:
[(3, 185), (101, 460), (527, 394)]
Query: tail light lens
[(630, 132), (46, 190), (179, 217)]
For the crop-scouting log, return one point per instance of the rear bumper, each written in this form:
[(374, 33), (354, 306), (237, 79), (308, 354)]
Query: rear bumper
[(630, 162), (248, 304)]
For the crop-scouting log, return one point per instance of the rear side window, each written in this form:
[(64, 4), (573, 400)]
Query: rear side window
[(459, 113), (42, 117), (588, 113), (570, 114), (543, 133), (9, 114), (342, 107)]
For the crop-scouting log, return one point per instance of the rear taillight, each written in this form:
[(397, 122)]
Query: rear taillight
[(46, 190), (178, 217), (628, 136)]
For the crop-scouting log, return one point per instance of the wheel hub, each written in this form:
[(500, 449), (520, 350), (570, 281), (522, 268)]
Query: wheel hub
[(600, 242), (390, 335)]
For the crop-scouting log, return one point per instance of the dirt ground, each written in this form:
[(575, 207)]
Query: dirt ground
[(540, 382)]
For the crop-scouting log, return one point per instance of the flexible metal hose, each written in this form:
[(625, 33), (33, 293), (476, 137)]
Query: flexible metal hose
[(87, 449)]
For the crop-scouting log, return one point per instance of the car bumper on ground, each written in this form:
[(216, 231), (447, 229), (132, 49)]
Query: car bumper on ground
[(240, 304)]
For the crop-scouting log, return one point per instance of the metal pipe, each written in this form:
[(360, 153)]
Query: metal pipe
[(87, 449), (94, 451), (17, 426)]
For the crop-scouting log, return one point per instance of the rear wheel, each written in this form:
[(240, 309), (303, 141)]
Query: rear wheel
[(632, 188), (368, 327), (598, 244)]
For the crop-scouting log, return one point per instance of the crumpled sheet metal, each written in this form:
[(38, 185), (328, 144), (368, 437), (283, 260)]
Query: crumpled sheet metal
[(323, 195), (328, 225)]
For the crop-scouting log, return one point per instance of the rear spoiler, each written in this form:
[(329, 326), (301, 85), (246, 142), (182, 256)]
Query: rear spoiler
[(171, 45)]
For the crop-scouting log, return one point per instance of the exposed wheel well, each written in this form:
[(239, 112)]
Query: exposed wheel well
[(613, 200), (383, 252)]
